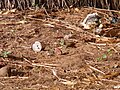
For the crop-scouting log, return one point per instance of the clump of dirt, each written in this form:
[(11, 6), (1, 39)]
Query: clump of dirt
[(71, 58)]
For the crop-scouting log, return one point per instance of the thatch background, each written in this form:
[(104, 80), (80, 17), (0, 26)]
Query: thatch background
[(57, 4)]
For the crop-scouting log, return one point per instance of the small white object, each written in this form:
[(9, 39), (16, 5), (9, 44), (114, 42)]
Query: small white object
[(90, 19), (101, 26), (37, 47), (117, 87), (66, 37), (98, 30)]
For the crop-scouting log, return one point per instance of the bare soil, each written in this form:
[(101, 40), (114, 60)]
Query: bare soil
[(71, 58)]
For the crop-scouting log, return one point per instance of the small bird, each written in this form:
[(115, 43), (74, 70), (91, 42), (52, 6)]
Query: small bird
[(37, 46), (92, 20)]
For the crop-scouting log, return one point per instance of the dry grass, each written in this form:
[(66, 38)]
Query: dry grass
[(57, 4)]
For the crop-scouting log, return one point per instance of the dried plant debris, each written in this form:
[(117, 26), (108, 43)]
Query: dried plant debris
[(55, 4), (96, 24), (73, 58)]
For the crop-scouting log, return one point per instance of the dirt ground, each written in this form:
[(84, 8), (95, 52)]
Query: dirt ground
[(71, 58)]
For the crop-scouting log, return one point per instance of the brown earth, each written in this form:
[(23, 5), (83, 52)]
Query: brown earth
[(71, 58)]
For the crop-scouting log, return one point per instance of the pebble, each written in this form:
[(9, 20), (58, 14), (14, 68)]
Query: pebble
[(58, 51), (37, 46), (4, 71)]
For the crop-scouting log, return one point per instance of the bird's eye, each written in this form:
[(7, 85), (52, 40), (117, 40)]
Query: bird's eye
[(38, 46)]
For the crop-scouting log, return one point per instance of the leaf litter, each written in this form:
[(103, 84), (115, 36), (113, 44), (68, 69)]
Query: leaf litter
[(76, 69)]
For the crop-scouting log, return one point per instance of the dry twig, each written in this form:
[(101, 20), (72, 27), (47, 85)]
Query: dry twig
[(95, 69)]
